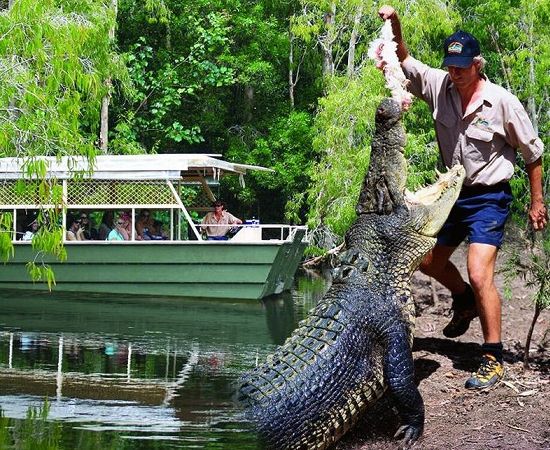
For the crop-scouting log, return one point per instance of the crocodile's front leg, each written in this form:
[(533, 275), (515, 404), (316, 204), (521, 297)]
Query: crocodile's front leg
[(399, 377)]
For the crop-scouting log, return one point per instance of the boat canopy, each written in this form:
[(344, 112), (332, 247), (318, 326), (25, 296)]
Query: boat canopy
[(123, 167)]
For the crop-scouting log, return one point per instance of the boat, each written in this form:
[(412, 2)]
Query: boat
[(257, 261)]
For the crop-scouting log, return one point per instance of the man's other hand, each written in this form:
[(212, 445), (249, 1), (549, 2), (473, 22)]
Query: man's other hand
[(538, 215)]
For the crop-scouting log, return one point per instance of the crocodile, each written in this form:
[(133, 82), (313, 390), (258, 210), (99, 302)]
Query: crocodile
[(357, 342)]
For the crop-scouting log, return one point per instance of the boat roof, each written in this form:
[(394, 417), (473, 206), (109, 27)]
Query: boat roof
[(124, 167)]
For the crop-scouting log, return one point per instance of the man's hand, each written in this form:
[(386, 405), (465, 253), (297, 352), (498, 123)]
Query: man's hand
[(538, 215), (386, 12)]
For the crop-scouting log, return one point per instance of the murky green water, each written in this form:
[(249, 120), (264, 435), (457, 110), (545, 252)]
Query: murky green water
[(138, 373)]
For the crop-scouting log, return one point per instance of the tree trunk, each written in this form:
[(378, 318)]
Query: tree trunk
[(327, 40), (291, 83), (505, 71), (353, 40), (530, 335), (248, 103), (104, 115), (104, 118)]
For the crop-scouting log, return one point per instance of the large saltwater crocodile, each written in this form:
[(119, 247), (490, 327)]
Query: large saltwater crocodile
[(357, 341)]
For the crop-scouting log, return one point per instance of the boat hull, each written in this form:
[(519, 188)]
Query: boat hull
[(182, 269)]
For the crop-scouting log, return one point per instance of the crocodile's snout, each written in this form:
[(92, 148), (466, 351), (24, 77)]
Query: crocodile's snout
[(430, 206)]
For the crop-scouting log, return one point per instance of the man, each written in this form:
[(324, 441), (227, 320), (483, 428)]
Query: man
[(215, 223), (479, 125)]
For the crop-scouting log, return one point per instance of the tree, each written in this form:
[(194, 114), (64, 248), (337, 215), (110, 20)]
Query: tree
[(54, 55), (174, 53)]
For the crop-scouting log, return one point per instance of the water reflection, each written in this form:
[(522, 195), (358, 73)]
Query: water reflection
[(162, 369)]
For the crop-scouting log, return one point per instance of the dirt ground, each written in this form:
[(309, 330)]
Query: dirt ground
[(515, 414)]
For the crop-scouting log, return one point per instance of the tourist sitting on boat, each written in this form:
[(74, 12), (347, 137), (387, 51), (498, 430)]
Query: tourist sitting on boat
[(120, 231), (89, 231), (32, 229), (128, 224), (216, 224), (106, 224), (145, 227), (75, 231)]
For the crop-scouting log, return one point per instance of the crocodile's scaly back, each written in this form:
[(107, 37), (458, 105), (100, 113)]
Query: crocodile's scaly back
[(357, 341)]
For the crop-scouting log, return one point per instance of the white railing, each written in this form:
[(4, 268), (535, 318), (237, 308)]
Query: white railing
[(246, 233), (251, 232)]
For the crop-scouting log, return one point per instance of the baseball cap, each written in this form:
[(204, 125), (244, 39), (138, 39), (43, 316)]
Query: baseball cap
[(460, 49)]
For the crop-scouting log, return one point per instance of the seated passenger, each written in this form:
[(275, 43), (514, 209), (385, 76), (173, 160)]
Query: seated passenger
[(144, 224), (89, 231), (216, 224), (147, 228), (120, 231), (31, 230), (106, 225), (75, 231), (158, 233), (128, 224)]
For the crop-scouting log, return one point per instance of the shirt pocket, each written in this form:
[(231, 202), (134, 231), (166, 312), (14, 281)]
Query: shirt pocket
[(479, 143)]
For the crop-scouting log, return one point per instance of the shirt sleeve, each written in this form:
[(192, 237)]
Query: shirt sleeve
[(425, 81), (522, 135)]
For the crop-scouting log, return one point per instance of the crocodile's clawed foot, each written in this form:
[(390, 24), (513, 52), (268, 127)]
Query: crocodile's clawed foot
[(408, 435)]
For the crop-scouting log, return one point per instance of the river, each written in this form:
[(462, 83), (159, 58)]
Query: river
[(137, 372)]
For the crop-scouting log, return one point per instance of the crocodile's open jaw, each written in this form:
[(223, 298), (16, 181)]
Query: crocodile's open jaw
[(431, 205)]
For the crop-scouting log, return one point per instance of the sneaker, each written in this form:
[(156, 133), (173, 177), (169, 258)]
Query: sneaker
[(464, 311), (489, 373)]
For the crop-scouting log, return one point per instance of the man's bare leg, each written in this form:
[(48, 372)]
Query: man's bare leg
[(436, 264), (481, 269)]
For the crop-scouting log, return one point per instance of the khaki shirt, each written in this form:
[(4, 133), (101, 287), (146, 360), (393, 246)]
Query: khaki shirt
[(484, 140), (210, 219)]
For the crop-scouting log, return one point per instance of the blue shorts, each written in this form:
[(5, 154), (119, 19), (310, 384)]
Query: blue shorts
[(478, 215)]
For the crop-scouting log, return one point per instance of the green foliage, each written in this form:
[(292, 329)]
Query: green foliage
[(5, 439), (6, 230), (53, 66), (344, 127), (213, 76), (54, 58), (421, 149), (36, 432), (169, 75), (528, 257), (287, 150)]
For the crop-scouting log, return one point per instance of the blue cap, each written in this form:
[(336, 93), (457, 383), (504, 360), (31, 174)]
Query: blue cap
[(460, 49)]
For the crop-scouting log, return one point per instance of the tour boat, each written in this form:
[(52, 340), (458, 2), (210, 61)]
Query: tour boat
[(257, 261)]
